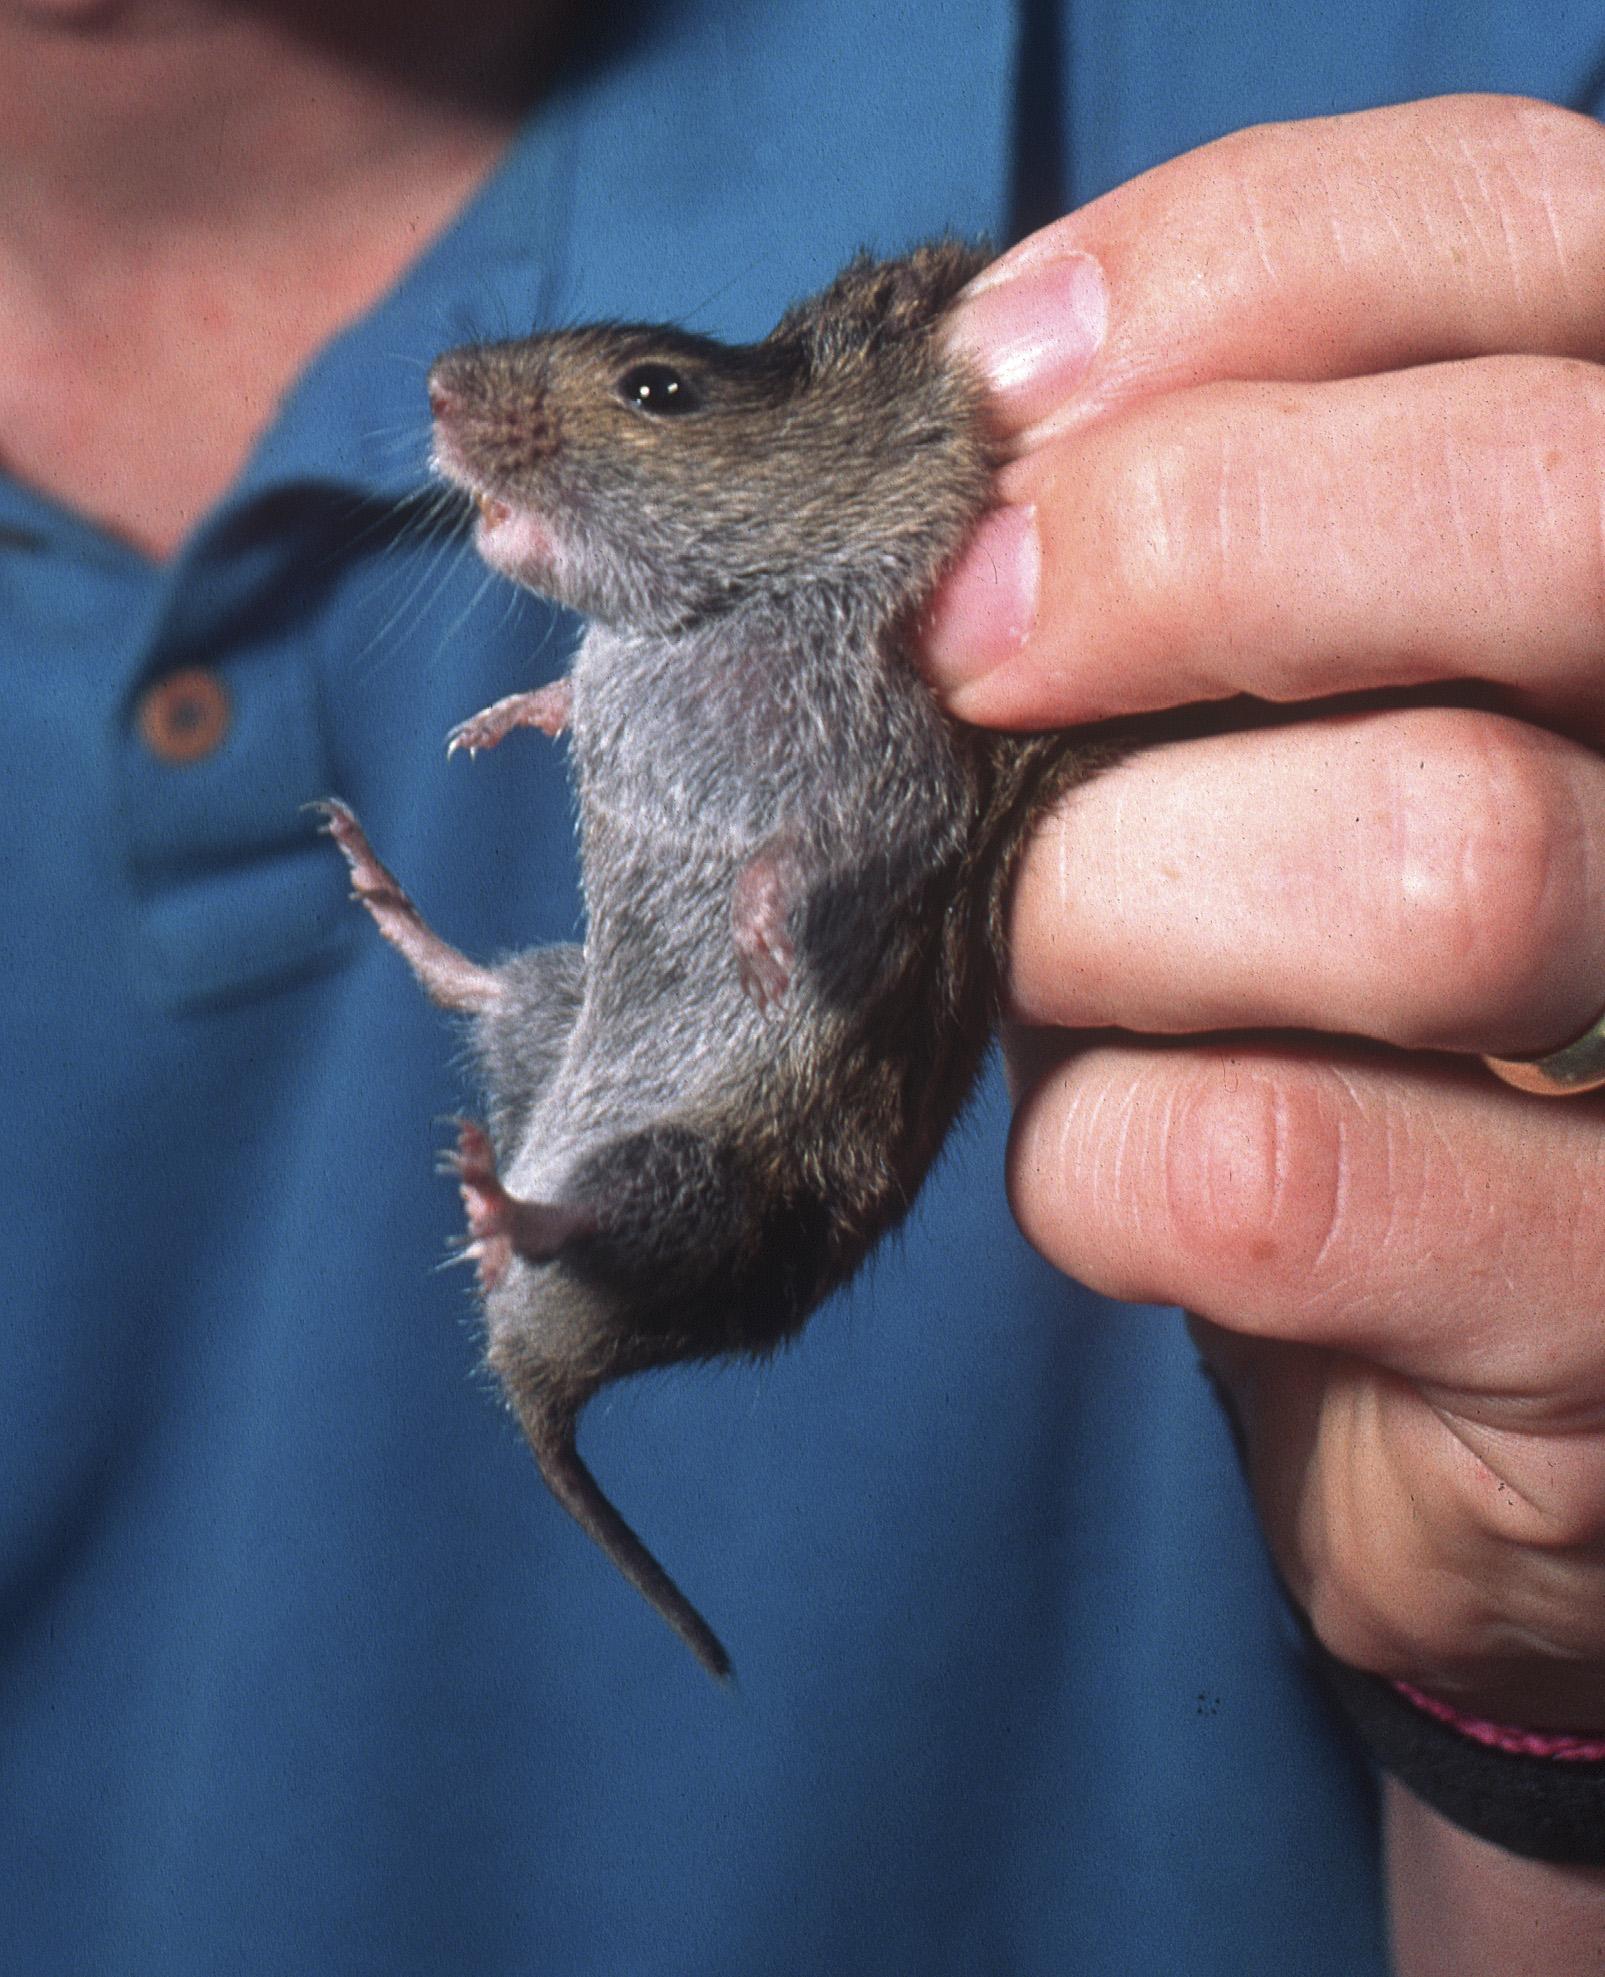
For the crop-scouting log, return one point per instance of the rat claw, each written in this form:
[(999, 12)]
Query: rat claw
[(447, 977), (370, 881), (546, 708), (459, 1250), (485, 1201), (499, 1224)]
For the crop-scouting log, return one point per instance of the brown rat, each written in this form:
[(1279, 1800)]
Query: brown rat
[(794, 863)]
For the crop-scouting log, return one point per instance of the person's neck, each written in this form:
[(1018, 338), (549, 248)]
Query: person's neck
[(193, 197)]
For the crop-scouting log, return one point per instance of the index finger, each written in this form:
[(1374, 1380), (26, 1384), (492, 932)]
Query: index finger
[(1458, 227)]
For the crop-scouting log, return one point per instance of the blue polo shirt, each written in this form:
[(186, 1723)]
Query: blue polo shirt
[(301, 1670)]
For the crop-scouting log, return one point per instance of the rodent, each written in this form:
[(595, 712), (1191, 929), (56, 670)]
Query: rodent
[(794, 863)]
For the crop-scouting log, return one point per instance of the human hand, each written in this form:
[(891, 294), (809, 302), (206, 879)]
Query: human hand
[(1314, 410)]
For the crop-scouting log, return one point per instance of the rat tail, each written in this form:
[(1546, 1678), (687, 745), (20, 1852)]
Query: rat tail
[(578, 1491)]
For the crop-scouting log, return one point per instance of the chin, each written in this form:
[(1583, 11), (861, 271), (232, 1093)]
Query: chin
[(518, 544)]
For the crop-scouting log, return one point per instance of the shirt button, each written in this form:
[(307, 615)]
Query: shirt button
[(185, 716)]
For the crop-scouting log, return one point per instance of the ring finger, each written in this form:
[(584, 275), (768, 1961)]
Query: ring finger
[(1427, 877)]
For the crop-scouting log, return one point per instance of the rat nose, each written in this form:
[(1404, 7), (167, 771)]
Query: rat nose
[(442, 402)]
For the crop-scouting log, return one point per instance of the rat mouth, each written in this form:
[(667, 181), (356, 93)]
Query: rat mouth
[(510, 537), (514, 540)]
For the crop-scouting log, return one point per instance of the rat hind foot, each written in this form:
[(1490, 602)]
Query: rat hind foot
[(499, 1224), (447, 977), (546, 708)]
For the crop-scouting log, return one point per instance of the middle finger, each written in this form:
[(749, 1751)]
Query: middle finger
[(1293, 542)]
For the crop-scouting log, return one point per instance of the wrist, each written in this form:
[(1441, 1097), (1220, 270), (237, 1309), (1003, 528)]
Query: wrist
[(1462, 1907)]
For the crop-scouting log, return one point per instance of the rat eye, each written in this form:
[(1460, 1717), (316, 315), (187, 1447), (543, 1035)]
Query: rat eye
[(658, 388)]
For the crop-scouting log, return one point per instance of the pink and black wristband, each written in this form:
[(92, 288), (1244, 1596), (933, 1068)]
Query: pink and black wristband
[(1535, 1793)]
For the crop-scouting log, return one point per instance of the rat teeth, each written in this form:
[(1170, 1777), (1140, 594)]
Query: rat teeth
[(493, 511)]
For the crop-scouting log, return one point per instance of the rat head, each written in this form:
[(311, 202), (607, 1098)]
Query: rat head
[(653, 479)]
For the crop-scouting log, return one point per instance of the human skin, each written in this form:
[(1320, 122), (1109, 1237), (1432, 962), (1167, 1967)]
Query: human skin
[(1322, 411), (194, 198)]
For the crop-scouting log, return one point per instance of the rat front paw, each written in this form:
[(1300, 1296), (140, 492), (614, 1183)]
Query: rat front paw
[(546, 708), (446, 976)]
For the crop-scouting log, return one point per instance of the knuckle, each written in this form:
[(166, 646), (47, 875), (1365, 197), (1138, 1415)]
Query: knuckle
[(1571, 430), (1560, 143), (1249, 164), (1530, 177), (1555, 1512), (1534, 140), (1366, 1545), (1491, 874), (1252, 1172), (1257, 155), (1516, 159), (1348, 1609), (1170, 570), (1529, 450)]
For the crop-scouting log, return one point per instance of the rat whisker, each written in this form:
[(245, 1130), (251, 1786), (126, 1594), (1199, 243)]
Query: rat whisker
[(405, 522), (468, 609), (426, 578), (688, 320)]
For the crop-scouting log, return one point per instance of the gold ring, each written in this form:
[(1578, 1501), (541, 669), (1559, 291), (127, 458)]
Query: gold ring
[(1576, 1067)]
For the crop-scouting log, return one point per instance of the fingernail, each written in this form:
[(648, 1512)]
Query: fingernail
[(1034, 333), (986, 605)]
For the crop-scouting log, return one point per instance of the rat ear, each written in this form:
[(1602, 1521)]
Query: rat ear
[(871, 302)]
